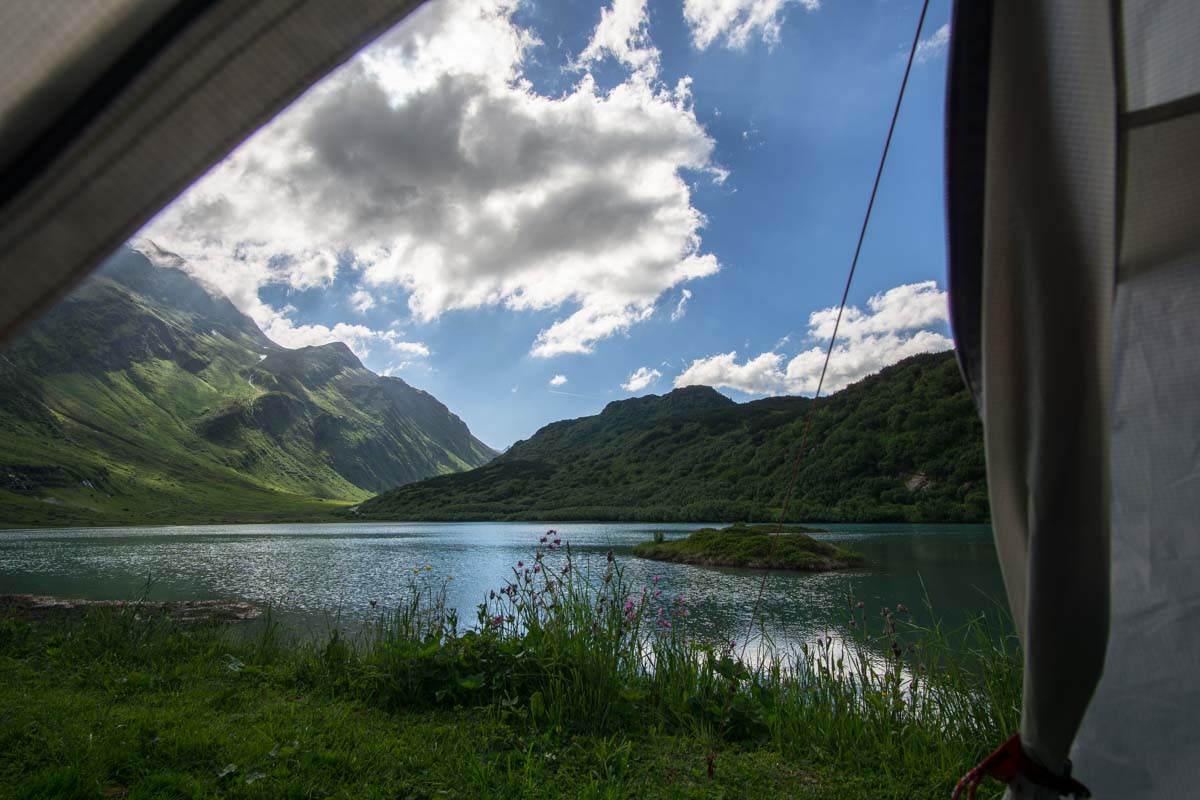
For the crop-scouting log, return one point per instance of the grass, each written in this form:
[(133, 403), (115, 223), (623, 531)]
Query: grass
[(754, 546), (568, 684)]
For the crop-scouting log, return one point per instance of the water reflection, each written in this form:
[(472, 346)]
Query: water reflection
[(313, 573)]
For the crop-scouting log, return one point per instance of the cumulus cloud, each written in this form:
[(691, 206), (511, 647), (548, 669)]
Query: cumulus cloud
[(640, 378), (430, 166), (558, 380), (894, 326), (761, 375), (359, 338), (735, 22), (681, 306), (934, 45), (623, 33), (362, 301)]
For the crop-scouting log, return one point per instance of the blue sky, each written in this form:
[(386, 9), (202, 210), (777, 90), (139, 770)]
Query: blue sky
[(629, 196)]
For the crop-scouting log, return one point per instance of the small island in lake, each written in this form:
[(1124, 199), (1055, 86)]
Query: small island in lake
[(750, 546)]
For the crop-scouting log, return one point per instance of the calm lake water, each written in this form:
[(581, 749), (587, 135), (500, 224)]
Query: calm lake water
[(313, 575)]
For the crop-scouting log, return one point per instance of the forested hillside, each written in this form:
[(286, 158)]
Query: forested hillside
[(902, 445)]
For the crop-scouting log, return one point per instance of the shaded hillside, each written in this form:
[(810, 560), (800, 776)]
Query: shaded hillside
[(145, 396), (904, 444)]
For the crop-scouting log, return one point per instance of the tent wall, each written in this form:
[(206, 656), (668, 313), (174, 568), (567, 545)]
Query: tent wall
[(1075, 292), (222, 71), (1141, 735)]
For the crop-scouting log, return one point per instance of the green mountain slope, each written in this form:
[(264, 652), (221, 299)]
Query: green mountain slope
[(904, 444), (146, 397)]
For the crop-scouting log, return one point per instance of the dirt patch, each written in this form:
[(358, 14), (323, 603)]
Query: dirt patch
[(36, 607)]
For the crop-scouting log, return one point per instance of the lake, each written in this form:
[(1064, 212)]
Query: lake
[(313, 575)]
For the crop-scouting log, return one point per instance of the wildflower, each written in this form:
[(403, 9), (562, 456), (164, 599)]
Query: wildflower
[(416, 570), (544, 539), (557, 542), (658, 592), (552, 532), (497, 620), (901, 608), (536, 570), (492, 594), (520, 564), (610, 556), (449, 577), (860, 604), (657, 578), (666, 623), (373, 603), (428, 567), (566, 569)]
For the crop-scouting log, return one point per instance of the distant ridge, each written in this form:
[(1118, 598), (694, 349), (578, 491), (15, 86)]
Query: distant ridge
[(147, 396), (902, 445)]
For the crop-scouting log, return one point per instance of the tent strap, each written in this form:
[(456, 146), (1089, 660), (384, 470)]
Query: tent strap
[(1008, 762)]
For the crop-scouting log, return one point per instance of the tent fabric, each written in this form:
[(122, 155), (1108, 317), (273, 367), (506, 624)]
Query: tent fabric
[(966, 159), (1048, 260), (1074, 296), (216, 79), (52, 51)]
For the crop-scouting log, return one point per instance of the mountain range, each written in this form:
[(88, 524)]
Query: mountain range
[(146, 396), (902, 445)]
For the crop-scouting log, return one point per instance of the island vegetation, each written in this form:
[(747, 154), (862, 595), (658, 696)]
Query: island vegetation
[(787, 547), (565, 686)]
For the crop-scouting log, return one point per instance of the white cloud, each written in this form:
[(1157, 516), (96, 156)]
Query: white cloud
[(735, 22), (934, 45), (558, 380), (362, 301), (762, 375), (623, 33), (432, 166), (893, 328), (359, 338), (640, 378), (416, 349), (681, 306)]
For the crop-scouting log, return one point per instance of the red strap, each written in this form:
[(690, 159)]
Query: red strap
[(1007, 762)]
